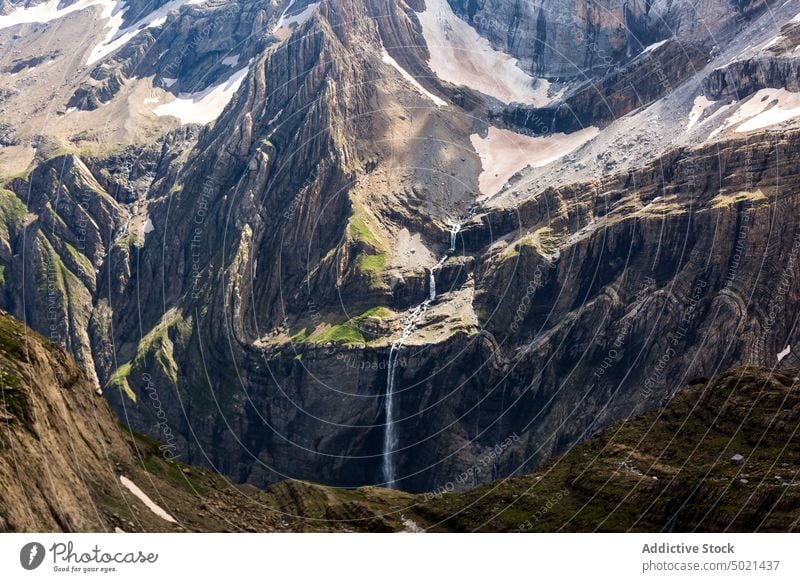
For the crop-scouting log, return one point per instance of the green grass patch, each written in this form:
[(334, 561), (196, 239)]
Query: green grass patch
[(359, 230), (371, 264), (726, 200), (157, 345), (544, 241), (300, 337), (379, 312), (348, 333), (119, 380), (12, 212), (79, 258)]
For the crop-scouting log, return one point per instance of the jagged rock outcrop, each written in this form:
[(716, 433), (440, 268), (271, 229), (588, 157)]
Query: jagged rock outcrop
[(57, 241), (774, 65)]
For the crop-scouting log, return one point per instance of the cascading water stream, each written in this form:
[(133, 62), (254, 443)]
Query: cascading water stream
[(391, 440), (432, 294), (455, 228)]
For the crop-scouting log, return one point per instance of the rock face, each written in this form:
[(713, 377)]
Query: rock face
[(771, 65), (610, 96), (66, 465), (62, 450), (568, 39), (59, 252), (256, 273), (638, 298)]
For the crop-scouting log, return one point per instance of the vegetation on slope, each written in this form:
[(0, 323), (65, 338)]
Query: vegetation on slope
[(722, 456)]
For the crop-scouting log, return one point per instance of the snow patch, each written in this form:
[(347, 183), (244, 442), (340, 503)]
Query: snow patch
[(459, 55), (113, 11), (772, 42), (299, 19), (231, 61), (50, 11), (654, 46), (503, 153), (148, 226), (117, 37), (204, 106), (786, 351), (142, 496), (766, 108), (701, 103), (781, 107), (387, 58)]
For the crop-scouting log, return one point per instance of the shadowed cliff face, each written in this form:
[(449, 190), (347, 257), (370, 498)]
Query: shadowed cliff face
[(66, 465), (720, 456), (257, 271)]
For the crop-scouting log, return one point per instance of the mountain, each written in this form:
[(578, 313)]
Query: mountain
[(361, 242), (722, 456), (66, 464)]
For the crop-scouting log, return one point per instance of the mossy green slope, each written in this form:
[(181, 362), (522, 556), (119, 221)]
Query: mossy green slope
[(671, 470)]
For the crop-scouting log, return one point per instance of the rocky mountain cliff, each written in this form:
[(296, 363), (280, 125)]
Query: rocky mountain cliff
[(361, 242), (720, 456), (66, 464)]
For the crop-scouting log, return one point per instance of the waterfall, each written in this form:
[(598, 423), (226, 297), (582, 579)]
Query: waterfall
[(436, 267), (455, 228), (390, 436), (553, 123)]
